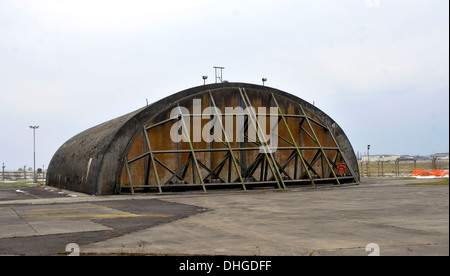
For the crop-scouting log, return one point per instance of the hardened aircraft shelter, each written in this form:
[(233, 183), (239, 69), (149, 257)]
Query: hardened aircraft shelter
[(217, 136)]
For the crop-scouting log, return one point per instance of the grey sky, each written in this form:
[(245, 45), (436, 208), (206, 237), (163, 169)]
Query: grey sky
[(379, 68)]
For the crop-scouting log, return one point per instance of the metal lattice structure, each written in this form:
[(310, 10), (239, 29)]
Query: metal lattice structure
[(216, 137)]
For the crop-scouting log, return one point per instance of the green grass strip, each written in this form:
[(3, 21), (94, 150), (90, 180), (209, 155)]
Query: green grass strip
[(442, 182)]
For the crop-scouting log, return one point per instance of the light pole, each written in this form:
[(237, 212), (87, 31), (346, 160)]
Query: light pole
[(204, 79), (34, 153), (264, 80), (368, 160)]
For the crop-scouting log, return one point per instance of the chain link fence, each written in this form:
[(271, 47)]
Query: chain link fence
[(400, 167), (22, 175)]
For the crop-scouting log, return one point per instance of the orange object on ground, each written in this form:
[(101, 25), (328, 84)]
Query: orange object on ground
[(417, 172), (435, 172), (440, 173)]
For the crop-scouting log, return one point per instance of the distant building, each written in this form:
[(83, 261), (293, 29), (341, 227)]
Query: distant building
[(441, 156), (383, 157)]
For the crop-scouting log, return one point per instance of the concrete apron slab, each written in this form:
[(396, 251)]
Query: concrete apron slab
[(401, 220), (46, 229), (22, 221)]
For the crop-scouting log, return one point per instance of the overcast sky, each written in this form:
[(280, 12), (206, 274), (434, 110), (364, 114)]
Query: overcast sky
[(379, 68)]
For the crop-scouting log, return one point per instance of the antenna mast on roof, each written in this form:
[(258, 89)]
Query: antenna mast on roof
[(218, 72)]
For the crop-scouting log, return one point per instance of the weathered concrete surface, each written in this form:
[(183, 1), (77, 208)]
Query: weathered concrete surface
[(46, 229), (77, 163), (401, 219)]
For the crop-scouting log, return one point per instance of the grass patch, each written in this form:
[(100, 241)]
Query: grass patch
[(21, 183), (442, 182)]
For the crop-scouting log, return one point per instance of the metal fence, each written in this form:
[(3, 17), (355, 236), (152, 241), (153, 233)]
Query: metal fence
[(22, 175), (400, 167)]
